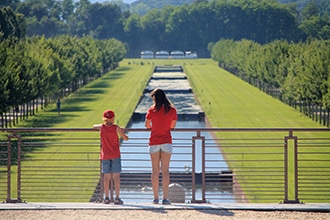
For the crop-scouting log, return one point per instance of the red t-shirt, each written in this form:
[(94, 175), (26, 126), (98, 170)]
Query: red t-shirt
[(161, 125), (110, 142)]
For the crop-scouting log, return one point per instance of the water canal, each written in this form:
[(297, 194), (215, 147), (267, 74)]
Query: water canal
[(175, 84)]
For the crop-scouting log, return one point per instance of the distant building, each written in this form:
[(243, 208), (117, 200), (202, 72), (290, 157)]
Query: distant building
[(162, 54), (190, 55), (147, 54), (177, 55)]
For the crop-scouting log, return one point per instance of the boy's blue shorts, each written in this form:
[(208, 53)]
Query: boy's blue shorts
[(111, 166)]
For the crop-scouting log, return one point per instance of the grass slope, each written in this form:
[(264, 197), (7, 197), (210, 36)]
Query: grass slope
[(231, 102), (119, 90)]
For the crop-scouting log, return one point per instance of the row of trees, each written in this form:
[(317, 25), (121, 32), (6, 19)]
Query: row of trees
[(297, 72), (187, 27), (37, 67), (141, 7)]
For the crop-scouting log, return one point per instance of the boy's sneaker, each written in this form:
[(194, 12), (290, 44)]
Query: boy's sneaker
[(155, 201), (118, 201), (166, 202)]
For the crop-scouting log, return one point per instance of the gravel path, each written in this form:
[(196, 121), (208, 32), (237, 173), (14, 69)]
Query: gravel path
[(159, 214)]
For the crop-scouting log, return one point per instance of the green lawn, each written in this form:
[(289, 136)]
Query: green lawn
[(119, 90), (231, 102)]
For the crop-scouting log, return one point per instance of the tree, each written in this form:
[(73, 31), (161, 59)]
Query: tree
[(179, 30), (314, 24), (310, 10), (4, 77), (132, 31), (11, 25), (44, 17), (11, 3), (153, 30), (67, 9)]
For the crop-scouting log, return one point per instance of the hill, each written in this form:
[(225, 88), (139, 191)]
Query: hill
[(103, 1), (160, 4)]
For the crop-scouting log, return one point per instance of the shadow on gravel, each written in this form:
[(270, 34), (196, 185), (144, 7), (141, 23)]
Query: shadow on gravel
[(161, 209), (216, 212)]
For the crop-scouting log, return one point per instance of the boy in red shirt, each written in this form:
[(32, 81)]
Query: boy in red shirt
[(110, 153)]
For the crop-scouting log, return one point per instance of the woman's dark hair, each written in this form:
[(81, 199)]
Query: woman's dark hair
[(161, 100)]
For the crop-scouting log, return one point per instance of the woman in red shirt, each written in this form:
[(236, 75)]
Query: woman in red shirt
[(161, 118)]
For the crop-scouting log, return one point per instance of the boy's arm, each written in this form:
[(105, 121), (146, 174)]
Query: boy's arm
[(97, 126), (122, 133)]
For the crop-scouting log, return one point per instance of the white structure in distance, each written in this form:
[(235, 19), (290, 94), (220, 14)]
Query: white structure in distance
[(190, 55), (177, 55), (147, 54), (163, 54)]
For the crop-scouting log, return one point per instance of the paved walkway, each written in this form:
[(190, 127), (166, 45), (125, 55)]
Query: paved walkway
[(311, 207)]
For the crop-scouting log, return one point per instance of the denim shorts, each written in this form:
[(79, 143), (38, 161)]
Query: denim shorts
[(111, 166), (160, 148)]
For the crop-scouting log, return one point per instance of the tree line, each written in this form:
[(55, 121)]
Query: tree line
[(296, 73), (186, 27), (141, 7), (39, 70)]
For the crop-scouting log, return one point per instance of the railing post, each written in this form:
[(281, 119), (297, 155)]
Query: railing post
[(101, 177), (194, 138), (19, 152), (203, 170), (9, 146), (193, 179), (8, 168), (287, 160)]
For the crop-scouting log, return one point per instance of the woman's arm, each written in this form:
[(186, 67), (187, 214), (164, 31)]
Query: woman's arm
[(173, 124), (147, 123)]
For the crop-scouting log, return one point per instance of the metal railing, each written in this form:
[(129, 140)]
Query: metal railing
[(210, 164)]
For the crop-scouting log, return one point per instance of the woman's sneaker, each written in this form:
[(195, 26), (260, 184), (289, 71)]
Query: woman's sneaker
[(155, 201), (106, 200), (166, 202)]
